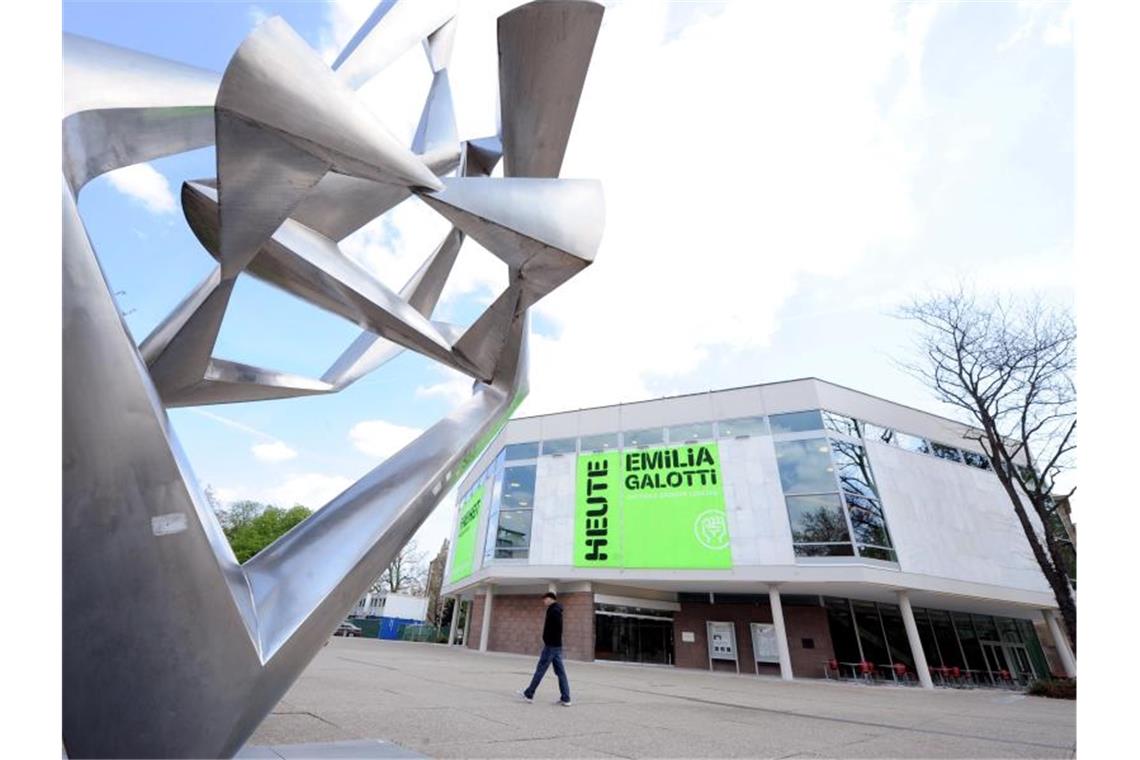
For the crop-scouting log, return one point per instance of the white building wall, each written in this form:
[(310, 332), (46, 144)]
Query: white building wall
[(757, 520), (952, 521), (552, 536)]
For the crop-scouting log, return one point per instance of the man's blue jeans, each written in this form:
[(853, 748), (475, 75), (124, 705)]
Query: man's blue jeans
[(550, 656)]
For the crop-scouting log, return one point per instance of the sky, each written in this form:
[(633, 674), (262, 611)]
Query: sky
[(779, 179)]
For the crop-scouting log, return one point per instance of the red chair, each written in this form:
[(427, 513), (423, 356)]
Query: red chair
[(1006, 676), (867, 670), (832, 665), (900, 672)]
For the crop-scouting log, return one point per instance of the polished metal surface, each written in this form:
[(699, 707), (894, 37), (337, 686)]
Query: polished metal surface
[(173, 649), (544, 53)]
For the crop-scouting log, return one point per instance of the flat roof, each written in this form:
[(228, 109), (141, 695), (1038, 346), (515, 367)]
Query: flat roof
[(743, 387)]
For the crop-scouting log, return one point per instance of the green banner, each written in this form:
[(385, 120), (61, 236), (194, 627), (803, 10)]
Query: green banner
[(463, 559), (652, 508)]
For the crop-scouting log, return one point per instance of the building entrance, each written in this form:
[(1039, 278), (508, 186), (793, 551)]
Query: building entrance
[(633, 634)]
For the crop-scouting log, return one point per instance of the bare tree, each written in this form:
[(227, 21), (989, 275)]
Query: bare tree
[(405, 574), (1009, 365)]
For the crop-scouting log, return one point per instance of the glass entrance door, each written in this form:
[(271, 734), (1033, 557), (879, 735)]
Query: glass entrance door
[(995, 659), (1018, 656)]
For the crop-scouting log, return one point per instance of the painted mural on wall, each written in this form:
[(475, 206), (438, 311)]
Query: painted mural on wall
[(652, 508)]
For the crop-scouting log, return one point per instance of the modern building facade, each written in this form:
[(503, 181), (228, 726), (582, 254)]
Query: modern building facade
[(798, 529)]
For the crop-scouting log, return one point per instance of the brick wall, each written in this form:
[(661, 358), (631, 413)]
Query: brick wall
[(517, 619), (800, 622)]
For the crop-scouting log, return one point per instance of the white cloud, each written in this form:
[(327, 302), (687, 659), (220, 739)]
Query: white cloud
[(143, 183), (310, 489), (1055, 20), (257, 15), (276, 451), (381, 439), (455, 389)]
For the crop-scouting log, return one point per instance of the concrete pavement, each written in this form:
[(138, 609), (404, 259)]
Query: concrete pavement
[(451, 702)]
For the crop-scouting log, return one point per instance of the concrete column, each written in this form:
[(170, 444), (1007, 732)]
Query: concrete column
[(456, 601), (485, 629), (915, 642), (1061, 642), (781, 633), (467, 623)]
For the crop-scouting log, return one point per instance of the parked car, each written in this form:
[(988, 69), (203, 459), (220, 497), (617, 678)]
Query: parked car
[(347, 629)]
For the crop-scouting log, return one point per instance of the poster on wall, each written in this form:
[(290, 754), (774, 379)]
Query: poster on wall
[(764, 642), (652, 508), (463, 560)]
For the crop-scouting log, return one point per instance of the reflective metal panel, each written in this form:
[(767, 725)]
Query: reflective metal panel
[(174, 649)]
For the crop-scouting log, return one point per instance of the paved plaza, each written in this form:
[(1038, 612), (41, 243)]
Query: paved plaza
[(451, 702)]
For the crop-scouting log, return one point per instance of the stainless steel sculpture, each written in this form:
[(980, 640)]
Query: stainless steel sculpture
[(172, 648)]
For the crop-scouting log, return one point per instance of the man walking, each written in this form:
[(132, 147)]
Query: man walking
[(551, 652)]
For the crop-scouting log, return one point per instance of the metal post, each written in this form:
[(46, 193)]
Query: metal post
[(485, 629), (781, 633), (915, 642), (454, 620), (1061, 642)]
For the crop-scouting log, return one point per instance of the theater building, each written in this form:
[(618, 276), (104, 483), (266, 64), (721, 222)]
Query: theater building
[(794, 529)]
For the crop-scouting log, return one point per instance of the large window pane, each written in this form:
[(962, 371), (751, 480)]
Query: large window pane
[(877, 433), (947, 643), (897, 642), (853, 468), (805, 466), (559, 446), (986, 628), (796, 422), (969, 640), (842, 629), (518, 487), (602, 442), (912, 443), (741, 427), (869, 527), (517, 451), (974, 459), (817, 519), (696, 431), (823, 550), (840, 424), (642, 438), (871, 633), (926, 636), (513, 536), (946, 452), (877, 552)]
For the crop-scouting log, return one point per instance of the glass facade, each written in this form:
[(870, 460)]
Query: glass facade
[(632, 634), (979, 646), (833, 505)]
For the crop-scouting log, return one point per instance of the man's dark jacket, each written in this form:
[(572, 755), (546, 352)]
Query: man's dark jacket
[(552, 628)]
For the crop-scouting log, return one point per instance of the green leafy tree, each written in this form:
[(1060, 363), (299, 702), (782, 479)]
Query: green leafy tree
[(251, 526)]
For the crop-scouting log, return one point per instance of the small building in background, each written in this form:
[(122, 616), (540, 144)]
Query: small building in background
[(383, 614)]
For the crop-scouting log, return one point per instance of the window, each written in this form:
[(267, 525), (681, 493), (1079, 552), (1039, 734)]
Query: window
[(876, 433), (515, 512), (853, 468), (517, 451), (559, 446), (817, 519), (741, 427), (946, 452), (643, 438), (602, 442), (805, 466), (796, 422), (912, 443), (833, 505), (837, 423), (696, 431), (974, 459)]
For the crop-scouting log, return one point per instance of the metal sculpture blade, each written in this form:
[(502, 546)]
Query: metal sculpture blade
[(173, 648), (544, 53)]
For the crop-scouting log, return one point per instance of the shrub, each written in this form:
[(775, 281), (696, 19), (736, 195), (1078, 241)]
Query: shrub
[(1054, 688)]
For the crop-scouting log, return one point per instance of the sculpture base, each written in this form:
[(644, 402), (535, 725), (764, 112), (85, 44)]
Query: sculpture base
[(363, 749)]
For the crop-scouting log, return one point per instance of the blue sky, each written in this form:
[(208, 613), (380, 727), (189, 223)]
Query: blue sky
[(779, 178)]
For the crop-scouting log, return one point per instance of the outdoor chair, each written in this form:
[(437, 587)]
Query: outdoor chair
[(832, 666), (867, 670)]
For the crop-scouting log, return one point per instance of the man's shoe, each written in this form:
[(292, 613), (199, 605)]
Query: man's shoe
[(523, 696), (567, 703)]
